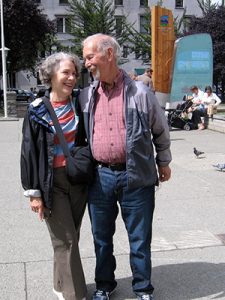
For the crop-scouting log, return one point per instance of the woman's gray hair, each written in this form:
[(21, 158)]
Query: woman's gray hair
[(51, 64), (104, 42)]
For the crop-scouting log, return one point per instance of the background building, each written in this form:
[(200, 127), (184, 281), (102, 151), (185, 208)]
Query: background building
[(134, 10)]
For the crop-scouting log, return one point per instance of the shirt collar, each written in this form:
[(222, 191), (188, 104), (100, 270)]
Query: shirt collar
[(117, 81)]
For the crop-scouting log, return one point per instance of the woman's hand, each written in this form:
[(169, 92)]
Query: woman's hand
[(37, 206)]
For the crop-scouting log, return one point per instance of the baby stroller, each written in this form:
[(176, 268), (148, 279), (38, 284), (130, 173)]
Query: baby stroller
[(178, 118)]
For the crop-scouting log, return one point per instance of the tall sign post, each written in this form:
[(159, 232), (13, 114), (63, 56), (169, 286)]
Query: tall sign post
[(163, 38), (4, 79)]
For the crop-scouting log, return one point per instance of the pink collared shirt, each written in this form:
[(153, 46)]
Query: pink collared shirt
[(109, 123)]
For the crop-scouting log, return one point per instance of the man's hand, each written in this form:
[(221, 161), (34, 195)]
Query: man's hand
[(164, 173), (37, 206)]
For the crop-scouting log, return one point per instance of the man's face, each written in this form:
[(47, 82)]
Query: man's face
[(96, 62), (195, 91), (149, 73)]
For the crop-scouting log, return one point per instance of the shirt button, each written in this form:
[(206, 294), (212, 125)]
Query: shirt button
[(110, 113), (110, 129), (112, 144)]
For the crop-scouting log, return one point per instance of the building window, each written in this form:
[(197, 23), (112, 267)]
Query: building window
[(63, 25), (118, 2), (179, 4), (144, 24), (37, 1), (119, 25), (144, 3), (63, 2)]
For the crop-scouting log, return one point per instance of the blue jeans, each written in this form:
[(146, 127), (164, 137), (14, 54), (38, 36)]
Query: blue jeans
[(137, 206)]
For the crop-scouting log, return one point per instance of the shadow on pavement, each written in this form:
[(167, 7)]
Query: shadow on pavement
[(185, 281), (189, 281), (178, 139)]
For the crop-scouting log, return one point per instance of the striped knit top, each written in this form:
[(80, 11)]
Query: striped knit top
[(69, 121)]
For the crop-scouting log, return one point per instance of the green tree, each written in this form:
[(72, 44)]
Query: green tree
[(142, 40), (26, 29), (206, 6), (96, 16), (213, 22), (180, 24)]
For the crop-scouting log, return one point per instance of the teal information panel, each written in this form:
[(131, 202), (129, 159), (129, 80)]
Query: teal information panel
[(193, 65)]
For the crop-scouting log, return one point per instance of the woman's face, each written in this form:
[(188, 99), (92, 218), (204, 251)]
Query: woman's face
[(64, 78), (208, 92)]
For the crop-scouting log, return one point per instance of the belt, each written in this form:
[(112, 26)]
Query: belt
[(113, 167)]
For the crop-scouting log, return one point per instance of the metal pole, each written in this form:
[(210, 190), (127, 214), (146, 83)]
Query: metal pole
[(4, 81)]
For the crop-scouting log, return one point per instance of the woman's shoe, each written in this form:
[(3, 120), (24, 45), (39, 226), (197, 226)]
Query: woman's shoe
[(58, 294)]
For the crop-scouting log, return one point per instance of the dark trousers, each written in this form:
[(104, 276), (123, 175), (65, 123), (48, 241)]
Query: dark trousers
[(68, 208), (137, 206), (196, 117)]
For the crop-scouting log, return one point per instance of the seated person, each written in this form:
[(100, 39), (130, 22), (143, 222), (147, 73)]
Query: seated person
[(198, 108), (197, 94), (210, 100)]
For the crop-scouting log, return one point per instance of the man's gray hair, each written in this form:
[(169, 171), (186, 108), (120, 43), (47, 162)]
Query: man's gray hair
[(104, 42), (51, 64)]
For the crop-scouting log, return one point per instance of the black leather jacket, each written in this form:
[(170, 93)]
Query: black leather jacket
[(37, 151)]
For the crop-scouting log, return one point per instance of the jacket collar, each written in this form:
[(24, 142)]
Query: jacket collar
[(38, 111)]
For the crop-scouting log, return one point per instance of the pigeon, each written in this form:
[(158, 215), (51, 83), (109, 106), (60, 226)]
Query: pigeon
[(197, 153), (221, 167)]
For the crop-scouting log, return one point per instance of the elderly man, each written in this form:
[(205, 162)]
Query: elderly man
[(122, 117)]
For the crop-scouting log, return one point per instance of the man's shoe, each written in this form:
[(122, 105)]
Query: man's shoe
[(145, 297), (101, 295)]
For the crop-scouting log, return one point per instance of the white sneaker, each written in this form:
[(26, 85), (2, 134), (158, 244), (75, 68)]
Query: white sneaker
[(58, 294)]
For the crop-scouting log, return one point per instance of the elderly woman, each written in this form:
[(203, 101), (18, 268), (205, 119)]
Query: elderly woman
[(43, 172)]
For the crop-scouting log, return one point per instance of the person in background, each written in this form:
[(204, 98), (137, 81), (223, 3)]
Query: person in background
[(146, 78), (197, 109), (197, 95), (43, 173), (31, 93), (132, 75), (210, 100), (41, 92), (124, 124)]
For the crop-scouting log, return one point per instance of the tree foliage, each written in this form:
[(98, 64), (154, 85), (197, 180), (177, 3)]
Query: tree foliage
[(213, 22), (26, 29), (206, 6), (142, 41), (96, 16), (179, 24)]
